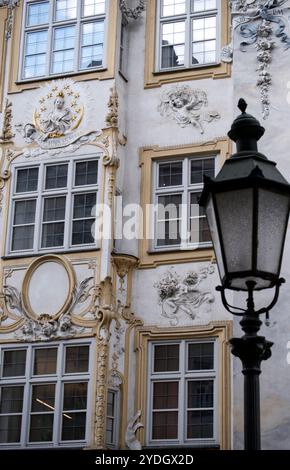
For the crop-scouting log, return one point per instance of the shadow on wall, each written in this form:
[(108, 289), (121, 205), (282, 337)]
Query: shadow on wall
[(276, 438)]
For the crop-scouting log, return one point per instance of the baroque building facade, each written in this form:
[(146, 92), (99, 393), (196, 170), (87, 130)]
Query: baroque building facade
[(121, 341)]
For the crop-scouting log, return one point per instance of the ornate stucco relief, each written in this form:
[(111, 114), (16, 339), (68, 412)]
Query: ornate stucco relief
[(11, 4), (184, 295), (186, 106), (7, 134), (78, 313), (263, 24), (131, 13), (132, 427), (124, 266), (57, 119), (105, 314)]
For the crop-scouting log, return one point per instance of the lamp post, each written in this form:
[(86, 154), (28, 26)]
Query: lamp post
[(247, 209)]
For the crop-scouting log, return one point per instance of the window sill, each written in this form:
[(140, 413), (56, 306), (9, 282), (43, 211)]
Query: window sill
[(178, 249), (154, 258), (197, 446), (157, 78), (186, 69), (60, 75), (39, 254)]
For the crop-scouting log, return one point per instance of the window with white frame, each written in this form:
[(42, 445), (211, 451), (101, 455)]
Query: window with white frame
[(182, 393), (62, 36), (188, 33), (177, 188), (45, 394), (112, 418), (53, 206)]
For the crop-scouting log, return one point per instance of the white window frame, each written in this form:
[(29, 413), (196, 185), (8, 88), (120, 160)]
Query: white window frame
[(60, 378), (40, 194), (184, 190), (50, 27), (115, 417), (187, 17), (182, 376)]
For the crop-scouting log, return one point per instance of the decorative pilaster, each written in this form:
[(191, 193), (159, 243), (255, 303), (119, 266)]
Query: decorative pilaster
[(105, 315)]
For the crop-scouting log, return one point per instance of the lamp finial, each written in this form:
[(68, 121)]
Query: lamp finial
[(242, 105)]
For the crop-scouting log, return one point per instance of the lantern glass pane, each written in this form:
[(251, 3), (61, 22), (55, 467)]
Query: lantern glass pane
[(235, 212), (272, 220), (211, 219)]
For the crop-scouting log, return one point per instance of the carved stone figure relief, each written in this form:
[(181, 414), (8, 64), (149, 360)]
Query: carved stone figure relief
[(178, 294), (187, 107), (132, 427), (56, 121)]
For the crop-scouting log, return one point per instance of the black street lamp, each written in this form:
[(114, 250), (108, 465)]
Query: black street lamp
[(247, 208)]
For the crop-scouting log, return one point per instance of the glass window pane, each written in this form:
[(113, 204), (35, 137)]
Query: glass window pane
[(37, 13), (24, 212), (111, 403), (83, 205), (200, 394), (42, 407), (199, 229), (165, 395), (201, 168), (75, 396), (92, 44), (82, 232), (54, 208), (35, 54), (94, 7), (56, 176), (76, 359), (22, 238), (73, 426), (52, 235), (63, 46), (200, 356), (203, 5), (43, 397), (27, 180), (168, 220), (10, 428), (65, 10), (165, 425), (170, 174), (11, 399), (14, 363), (86, 173), (45, 361), (200, 424), (41, 427), (166, 358), (173, 38), (173, 7)]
